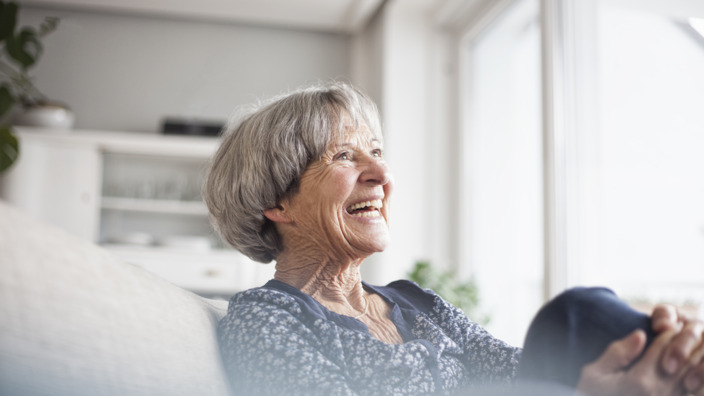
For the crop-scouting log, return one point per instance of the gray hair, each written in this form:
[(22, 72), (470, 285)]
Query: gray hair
[(263, 155)]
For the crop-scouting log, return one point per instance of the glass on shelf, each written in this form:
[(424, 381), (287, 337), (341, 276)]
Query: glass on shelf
[(175, 188)]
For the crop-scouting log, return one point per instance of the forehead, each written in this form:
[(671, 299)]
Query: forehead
[(356, 135)]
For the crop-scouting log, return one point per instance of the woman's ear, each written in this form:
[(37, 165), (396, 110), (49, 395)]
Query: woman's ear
[(277, 214)]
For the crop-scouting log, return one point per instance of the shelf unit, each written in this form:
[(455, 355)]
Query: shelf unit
[(138, 195), (163, 206)]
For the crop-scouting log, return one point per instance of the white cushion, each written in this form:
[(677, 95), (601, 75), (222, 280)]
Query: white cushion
[(75, 320)]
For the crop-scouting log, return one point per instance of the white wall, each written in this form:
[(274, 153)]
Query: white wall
[(126, 72)]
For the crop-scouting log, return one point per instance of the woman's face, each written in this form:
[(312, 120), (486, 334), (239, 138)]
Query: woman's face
[(342, 202)]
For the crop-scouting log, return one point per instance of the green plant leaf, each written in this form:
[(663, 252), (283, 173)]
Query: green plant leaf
[(9, 148), (6, 99), (49, 25), (462, 294), (8, 19), (25, 47)]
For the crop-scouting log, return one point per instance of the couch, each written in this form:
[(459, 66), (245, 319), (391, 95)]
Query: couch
[(75, 320)]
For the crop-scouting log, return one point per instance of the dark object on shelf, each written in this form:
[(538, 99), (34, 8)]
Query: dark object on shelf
[(173, 126)]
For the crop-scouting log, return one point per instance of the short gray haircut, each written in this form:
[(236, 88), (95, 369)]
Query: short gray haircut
[(264, 153)]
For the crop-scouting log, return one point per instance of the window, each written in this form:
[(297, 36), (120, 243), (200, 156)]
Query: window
[(648, 172), (501, 230), (592, 175)]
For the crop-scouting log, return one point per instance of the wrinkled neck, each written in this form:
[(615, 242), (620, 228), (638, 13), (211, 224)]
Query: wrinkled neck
[(334, 283)]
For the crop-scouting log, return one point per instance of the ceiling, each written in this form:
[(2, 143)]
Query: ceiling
[(343, 16)]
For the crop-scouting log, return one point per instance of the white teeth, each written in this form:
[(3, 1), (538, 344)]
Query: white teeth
[(375, 203), (373, 213)]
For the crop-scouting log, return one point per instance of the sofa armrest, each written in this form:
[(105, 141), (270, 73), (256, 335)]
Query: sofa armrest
[(78, 321)]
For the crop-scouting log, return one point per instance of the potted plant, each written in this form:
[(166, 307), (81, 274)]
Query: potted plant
[(20, 49)]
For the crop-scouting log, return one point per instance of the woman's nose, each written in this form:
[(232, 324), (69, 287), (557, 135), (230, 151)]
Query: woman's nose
[(375, 171)]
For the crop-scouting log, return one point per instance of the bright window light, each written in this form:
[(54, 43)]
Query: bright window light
[(697, 24)]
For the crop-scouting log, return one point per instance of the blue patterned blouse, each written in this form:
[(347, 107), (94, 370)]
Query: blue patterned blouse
[(276, 340)]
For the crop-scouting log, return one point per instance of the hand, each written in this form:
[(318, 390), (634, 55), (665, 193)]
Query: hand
[(685, 349), (678, 349), (610, 376)]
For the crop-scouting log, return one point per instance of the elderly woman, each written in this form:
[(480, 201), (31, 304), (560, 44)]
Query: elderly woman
[(302, 180)]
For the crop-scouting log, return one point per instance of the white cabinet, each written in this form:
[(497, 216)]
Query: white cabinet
[(57, 181), (138, 195)]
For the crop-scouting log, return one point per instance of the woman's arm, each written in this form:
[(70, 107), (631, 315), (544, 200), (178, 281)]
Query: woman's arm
[(489, 360)]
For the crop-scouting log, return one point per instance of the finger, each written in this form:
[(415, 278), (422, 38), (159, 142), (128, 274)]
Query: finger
[(645, 376), (681, 346), (605, 375), (619, 354), (655, 351), (694, 380), (664, 317)]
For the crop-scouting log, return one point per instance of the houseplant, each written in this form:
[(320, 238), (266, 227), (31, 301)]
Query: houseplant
[(20, 49), (463, 294)]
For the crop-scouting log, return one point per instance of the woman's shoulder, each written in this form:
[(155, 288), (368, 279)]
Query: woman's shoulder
[(261, 312), (259, 324), (263, 298)]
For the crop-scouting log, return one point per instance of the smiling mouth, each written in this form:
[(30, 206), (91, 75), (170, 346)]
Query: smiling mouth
[(366, 209)]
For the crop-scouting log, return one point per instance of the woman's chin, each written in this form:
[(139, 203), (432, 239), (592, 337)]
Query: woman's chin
[(373, 243), (368, 235)]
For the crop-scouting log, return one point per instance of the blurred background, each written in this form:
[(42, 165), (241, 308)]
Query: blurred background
[(535, 144)]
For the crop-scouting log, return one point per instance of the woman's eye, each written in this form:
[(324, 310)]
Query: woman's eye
[(344, 156), (378, 153)]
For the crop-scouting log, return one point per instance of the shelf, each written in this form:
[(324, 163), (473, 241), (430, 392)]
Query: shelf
[(133, 143), (162, 206)]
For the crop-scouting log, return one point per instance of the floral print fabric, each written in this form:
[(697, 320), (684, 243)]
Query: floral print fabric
[(276, 340)]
